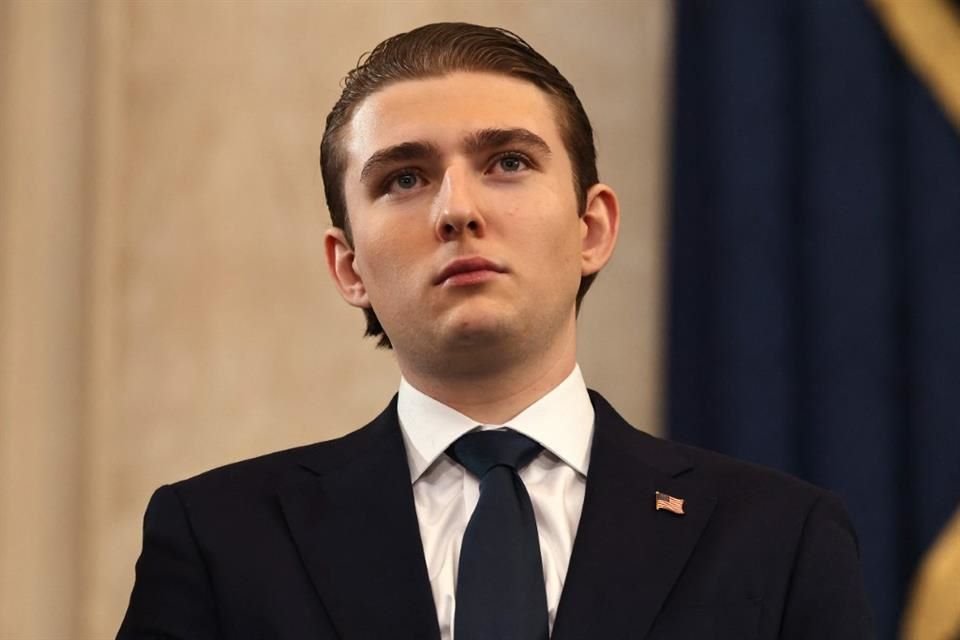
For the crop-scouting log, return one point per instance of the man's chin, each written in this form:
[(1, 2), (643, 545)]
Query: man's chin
[(477, 324), (486, 335)]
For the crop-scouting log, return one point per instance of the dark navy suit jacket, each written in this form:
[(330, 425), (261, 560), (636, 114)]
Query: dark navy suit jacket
[(322, 542)]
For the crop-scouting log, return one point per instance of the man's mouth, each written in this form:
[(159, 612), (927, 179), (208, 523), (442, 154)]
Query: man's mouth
[(468, 271)]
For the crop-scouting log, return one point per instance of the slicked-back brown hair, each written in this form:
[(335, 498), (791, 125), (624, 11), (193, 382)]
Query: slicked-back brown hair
[(436, 50)]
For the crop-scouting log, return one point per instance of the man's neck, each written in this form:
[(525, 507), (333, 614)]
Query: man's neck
[(497, 395)]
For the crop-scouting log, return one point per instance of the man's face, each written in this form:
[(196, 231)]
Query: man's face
[(463, 213)]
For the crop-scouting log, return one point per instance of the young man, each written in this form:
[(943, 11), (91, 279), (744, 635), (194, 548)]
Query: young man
[(494, 497)]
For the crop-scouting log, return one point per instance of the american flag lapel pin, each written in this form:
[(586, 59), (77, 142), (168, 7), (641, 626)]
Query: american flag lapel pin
[(671, 504)]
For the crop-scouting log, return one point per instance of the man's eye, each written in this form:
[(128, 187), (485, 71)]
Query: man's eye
[(401, 181), (511, 163), (405, 181)]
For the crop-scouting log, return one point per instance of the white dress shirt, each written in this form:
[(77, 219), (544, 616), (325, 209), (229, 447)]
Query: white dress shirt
[(446, 495)]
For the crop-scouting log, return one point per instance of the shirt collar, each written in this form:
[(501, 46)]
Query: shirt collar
[(561, 420)]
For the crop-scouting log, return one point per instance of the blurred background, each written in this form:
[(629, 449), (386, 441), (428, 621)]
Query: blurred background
[(785, 289)]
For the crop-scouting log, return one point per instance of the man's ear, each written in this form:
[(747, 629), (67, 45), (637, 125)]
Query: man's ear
[(342, 266), (600, 225)]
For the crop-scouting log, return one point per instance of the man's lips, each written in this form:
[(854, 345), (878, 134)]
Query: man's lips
[(468, 271)]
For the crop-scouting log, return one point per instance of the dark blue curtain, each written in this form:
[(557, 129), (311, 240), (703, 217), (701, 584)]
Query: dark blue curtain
[(815, 267)]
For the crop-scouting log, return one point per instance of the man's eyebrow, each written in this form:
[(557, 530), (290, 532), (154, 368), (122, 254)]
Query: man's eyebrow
[(494, 138), (475, 142), (403, 152)]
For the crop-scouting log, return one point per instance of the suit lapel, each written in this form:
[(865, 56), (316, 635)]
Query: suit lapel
[(357, 533), (627, 555)]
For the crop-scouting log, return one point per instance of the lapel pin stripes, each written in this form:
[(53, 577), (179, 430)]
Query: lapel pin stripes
[(671, 504)]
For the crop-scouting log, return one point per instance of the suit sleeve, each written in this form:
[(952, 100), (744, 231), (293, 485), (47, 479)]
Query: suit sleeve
[(826, 598), (172, 595)]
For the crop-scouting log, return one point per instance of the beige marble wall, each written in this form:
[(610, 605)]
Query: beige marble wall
[(164, 307), (43, 65)]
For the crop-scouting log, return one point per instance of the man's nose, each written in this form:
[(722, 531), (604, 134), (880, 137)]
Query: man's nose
[(456, 209)]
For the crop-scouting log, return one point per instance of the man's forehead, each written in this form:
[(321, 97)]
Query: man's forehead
[(446, 110)]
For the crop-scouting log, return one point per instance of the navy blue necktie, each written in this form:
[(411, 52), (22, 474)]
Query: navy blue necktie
[(500, 589)]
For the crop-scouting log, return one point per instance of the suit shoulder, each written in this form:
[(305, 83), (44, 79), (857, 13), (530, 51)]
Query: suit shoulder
[(725, 474), (748, 491), (741, 473), (264, 471)]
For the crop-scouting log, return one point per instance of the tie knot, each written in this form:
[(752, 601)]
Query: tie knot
[(480, 451)]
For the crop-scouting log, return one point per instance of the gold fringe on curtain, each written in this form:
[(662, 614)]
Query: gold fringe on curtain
[(927, 32), (933, 612)]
